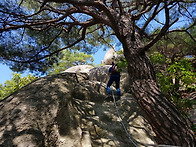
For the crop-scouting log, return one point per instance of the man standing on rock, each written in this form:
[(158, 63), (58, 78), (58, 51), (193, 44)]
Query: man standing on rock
[(114, 76)]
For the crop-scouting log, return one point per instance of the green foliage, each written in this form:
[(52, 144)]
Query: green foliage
[(165, 82), (183, 104), (70, 59), (171, 77), (122, 62), (16, 83), (183, 71), (36, 49), (193, 127), (156, 57), (177, 77), (175, 74)]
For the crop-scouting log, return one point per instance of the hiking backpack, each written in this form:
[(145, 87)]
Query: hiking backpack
[(115, 69)]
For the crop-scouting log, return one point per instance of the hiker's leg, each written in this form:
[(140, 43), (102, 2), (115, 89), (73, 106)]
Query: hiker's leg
[(117, 80), (108, 90), (118, 92), (109, 84)]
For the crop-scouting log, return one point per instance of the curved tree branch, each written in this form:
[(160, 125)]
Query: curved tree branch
[(36, 57), (98, 11), (163, 30)]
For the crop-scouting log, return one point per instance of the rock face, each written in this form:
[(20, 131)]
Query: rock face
[(79, 69), (112, 56), (109, 56), (100, 74), (69, 109)]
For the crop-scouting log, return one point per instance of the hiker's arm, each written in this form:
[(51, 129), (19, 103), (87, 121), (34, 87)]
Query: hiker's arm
[(109, 72)]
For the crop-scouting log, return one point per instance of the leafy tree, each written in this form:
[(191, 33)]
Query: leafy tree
[(17, 82), (177, 77), (82, 21), (174, 58), (174, 78), (37, 48), (70, 59)]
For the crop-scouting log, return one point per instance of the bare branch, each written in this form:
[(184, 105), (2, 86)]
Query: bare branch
[(46, 46), (59, 50), (152, 17), (29, 24), (35, 59), (163, 30), (186, 31), (98, 12)]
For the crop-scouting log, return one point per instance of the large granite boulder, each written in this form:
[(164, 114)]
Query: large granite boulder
[(69, 109), (109, 56), (99, 73)]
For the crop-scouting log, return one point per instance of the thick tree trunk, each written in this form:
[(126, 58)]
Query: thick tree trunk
[(168, 124)]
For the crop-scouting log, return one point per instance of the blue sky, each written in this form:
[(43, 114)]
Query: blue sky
[(6, 72)]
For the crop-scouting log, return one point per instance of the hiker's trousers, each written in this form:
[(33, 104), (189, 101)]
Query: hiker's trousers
[(116, 78)]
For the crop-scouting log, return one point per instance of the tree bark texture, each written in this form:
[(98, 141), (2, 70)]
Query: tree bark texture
[(170, 126)]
